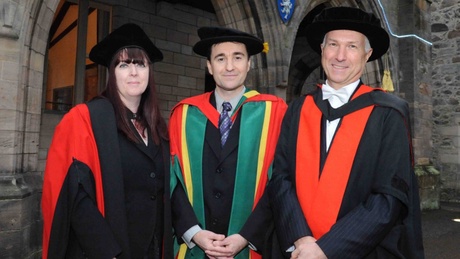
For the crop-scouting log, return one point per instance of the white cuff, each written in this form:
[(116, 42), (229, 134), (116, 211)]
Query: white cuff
[(188, 235), (251, 246)]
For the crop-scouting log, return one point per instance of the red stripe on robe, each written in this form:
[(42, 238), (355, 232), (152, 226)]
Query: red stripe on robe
[(320, 195)]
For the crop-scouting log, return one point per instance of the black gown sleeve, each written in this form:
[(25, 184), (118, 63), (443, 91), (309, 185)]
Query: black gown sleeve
[(91, 231), (259, 231), (258, 224), (287, 214), (183, 215), (361, 230)]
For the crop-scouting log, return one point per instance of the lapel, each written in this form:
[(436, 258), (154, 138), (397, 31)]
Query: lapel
[(233, 138), (212, 136), (358, 102), (151, 150), (212, 139)]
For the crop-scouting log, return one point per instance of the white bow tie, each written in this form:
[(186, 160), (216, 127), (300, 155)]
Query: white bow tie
[(341, 94)]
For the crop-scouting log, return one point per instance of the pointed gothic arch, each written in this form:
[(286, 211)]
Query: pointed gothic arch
[(290, 67)]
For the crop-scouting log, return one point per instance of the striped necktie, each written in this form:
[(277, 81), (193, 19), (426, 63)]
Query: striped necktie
[(225, 122)]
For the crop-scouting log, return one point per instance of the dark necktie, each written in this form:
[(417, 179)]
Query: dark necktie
[(224, 122)]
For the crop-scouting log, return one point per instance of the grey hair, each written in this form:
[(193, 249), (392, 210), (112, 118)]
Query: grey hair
[(367, 44)]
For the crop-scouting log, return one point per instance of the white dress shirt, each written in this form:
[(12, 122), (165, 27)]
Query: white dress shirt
[(336, 98)]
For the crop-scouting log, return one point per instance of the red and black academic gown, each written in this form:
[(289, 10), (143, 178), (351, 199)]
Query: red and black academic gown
[(81, 175), (378, 213)]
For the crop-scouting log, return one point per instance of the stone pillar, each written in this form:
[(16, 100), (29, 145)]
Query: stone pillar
[(21, 80), (449, 158), (415, 87), (415, 77), (446, 99), (16, 219)]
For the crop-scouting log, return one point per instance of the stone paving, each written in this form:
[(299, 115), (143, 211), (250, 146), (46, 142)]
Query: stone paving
[(441, 233)]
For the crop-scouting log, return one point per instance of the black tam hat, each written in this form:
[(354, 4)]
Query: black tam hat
[(128, 35), (348, 18), (212, 35)]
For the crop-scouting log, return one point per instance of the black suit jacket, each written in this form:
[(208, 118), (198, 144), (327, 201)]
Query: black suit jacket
[(144, 180)]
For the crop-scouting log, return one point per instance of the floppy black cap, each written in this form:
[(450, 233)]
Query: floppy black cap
[(127, 35), (348, 18), (212, 35)]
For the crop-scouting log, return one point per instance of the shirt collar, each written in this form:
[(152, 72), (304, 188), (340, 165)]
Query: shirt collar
[(234, 101), (343, 93)]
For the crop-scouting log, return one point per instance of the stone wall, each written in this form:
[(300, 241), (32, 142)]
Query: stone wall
[(445, 29), (173, 28), (25, 135), (25, 132), (448, 158), (22, 51)]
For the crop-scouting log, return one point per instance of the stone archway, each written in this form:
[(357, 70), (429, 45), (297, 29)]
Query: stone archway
[(270, 71), (23, 53), (283, 71), (24, 29), (242, 15), (23, 41)]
